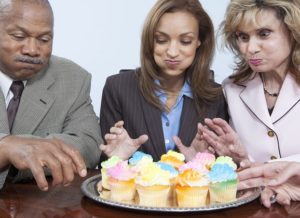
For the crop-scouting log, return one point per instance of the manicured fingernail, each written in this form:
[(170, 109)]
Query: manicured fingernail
[(45, 188), (83, 173)]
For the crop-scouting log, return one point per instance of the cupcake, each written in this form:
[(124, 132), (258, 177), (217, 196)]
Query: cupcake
[(191, 188), (112, 161), (173, 175), (225, 160), (173, 158), (153, 186), (195, 166), (223, 183), (204, 158), (121, 182), (139, 160)]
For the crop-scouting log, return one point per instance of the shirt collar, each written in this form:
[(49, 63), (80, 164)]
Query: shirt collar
[(185, 90), (5, 83)]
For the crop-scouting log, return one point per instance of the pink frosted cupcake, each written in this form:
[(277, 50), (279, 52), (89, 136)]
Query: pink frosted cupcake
[(121, 181), (112, 161), (206, 159)]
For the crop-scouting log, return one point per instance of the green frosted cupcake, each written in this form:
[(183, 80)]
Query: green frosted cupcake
[(223, 184), (225, 160)]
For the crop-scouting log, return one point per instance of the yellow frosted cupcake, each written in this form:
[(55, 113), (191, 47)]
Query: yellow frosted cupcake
[(223, 184), (192, 187), (153, 186), (173, 158), (121, 182), (112, 161)]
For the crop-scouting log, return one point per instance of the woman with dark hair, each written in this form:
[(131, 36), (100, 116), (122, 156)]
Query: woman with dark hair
[(172, 91)]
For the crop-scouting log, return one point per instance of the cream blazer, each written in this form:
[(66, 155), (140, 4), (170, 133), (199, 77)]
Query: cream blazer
[(265, 136)]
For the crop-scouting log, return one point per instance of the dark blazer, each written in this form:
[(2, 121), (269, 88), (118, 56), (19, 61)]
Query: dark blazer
[(122, 100)]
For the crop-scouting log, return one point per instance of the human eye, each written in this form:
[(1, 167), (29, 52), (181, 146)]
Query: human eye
[(18, 36), (243, 37), (45, 39), (186, 41), (160, 39), (264, 33)]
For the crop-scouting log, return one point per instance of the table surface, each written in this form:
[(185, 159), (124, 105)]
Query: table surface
[(26, 200)]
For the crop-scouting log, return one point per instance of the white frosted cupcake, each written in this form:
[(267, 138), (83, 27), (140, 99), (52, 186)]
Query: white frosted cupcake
[(153, 186)]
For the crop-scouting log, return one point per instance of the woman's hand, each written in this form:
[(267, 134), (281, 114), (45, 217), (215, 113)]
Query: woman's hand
[(119, 142), (280, 179), (223, 139), (197, 145)]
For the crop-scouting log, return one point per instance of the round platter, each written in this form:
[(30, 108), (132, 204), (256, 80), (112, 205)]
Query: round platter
[(89, 189)]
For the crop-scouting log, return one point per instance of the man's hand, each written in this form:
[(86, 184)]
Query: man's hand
[(35, 154), (119, 142)]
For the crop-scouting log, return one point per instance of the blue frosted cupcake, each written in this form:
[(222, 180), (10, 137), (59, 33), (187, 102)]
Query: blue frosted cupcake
[(223, 184)]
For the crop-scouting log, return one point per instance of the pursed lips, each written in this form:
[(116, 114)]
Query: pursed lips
[(255, 62), (172, 63)]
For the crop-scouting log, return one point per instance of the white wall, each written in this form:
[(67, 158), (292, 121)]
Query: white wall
[(103, 36)]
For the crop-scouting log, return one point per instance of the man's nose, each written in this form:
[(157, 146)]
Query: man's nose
[(31, 47)]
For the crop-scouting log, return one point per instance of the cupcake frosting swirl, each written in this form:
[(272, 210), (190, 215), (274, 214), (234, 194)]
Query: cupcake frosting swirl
[(221, 173), (112, 161), (140, 156), (207, 159), (226, 160), (192, 178), (121, 171), (169, 168), (151, 174), (194, 165)]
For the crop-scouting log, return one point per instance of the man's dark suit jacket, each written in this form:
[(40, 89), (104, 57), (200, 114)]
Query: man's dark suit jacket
[(122, 100)]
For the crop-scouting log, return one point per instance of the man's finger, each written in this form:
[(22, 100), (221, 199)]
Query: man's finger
[(76, 159), (38, 174)]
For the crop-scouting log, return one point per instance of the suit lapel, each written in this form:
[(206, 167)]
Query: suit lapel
[(4, 128), (254, 98), (35, 102), (188, 121), (288, 97), (152, 117)]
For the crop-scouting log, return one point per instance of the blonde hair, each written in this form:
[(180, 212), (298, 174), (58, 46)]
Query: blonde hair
[(198, 74), (246, 11)]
